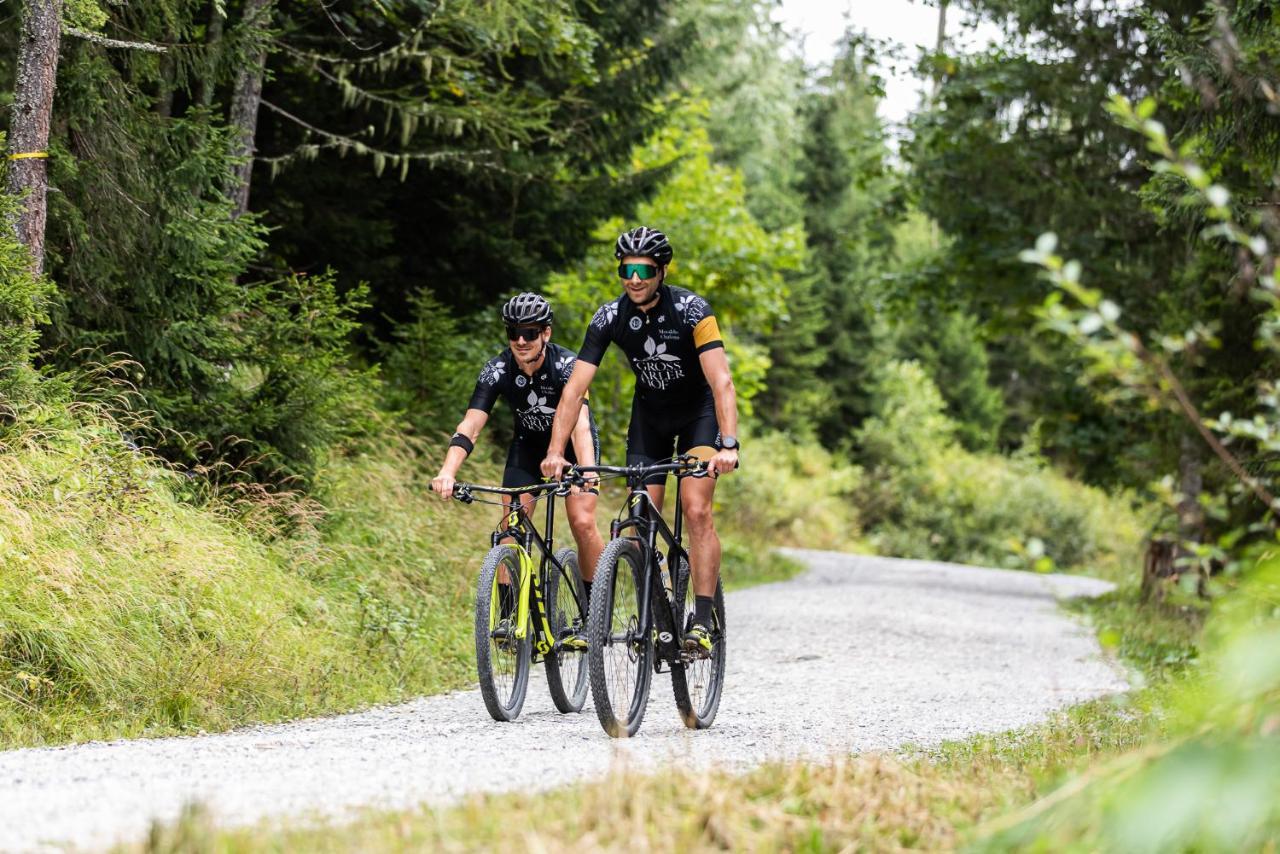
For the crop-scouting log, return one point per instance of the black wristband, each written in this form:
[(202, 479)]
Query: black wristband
[(461, 441)]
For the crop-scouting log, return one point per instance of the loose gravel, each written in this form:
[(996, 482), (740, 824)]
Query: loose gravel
[(857, 653)]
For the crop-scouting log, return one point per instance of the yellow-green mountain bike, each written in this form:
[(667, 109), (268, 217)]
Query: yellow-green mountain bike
[(529, 607)]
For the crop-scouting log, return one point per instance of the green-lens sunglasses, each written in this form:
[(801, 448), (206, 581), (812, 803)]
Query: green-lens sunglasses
[(644, 271)]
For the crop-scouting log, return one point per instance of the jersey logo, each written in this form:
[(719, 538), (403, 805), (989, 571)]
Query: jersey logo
[(693, 307), (537, 418), (635, 324), (521, 380), (564, 366), (492, 373), (604, 315), (659, 368)]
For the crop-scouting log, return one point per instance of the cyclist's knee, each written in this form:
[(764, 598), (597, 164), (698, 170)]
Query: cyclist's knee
[(581, 517), (697, 515)]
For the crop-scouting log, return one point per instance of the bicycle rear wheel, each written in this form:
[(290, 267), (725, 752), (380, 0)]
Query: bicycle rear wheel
[(620, 654), (698, 682), (566, 666), (502, 661)]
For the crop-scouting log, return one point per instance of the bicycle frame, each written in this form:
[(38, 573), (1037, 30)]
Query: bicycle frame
[(648, 524), (519, 528)]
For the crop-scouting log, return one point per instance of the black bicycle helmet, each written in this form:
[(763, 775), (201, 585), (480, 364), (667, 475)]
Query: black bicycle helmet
[(527, 310), (644, 242)]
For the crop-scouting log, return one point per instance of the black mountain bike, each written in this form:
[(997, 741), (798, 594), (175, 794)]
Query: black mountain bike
[(641, 605), (514, 628)]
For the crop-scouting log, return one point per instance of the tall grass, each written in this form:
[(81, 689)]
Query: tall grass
[(126, 611)]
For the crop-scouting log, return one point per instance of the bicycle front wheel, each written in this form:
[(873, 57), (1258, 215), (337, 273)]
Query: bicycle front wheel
[(619, 651), (566, 664), (502, 659), (698, 682)]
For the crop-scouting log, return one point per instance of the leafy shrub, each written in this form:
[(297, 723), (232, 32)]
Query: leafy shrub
[(23, 298), (431, 365), (790, 493), (283, 393), (925, 496)]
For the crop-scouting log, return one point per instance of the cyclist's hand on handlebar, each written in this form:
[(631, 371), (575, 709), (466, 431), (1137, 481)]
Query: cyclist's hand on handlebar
[(442, 485), (554, 465), (725, 461)]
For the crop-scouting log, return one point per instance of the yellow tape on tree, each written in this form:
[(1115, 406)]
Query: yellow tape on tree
[(29, 155)]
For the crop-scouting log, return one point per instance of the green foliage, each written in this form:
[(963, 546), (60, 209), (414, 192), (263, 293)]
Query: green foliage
[(849, 214), (125, 611), (755, 93), (515, 121), (790, 492), (1212, 783), (925, 496), (432, 365), (23, 304), (289, 392)]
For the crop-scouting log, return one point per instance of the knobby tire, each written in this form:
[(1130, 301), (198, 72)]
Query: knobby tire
[(503, 669), (566, 670), (698, 684), (620, 658)]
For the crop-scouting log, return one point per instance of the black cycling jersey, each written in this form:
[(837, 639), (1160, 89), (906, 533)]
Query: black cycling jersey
[(532, 398), (662, 343)]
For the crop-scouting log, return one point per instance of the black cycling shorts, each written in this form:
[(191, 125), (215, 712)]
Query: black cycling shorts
[(525, 456), (655, 435)]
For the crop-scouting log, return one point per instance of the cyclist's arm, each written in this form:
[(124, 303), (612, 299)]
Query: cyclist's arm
[(584, 447), (715, 367), (570, 407), (470, 426)]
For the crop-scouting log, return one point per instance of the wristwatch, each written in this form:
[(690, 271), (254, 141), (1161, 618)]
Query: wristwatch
[(729, 443)]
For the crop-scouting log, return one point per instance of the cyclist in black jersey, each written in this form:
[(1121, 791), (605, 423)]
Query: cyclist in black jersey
[(530, 375), (684, 400)]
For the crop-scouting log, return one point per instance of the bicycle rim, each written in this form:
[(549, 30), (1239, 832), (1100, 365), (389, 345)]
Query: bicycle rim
[(566, 668), (699, 682), (620, 654), (502, 664)]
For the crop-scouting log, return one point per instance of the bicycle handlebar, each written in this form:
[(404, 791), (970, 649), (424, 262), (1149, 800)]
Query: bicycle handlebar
[(463, 491), (685, 465)]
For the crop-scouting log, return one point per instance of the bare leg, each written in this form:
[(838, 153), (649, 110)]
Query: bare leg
[(704, 544), (581, 510)]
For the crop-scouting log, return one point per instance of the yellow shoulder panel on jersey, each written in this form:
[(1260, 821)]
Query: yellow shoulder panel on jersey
[(706, 331)]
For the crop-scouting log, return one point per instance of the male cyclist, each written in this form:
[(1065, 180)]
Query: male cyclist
[(684, 399), (530, 375)]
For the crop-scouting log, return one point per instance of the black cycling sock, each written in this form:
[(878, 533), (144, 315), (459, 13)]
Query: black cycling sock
[(586, 604), (506, 601), (702, 610)]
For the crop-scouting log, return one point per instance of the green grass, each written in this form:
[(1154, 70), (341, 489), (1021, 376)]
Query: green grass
[(125, 611)]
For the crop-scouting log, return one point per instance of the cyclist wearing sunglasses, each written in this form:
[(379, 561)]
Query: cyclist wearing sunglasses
[(684, 399), (530, 375)]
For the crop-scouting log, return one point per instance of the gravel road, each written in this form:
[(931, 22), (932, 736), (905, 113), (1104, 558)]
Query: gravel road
[(857, 653)]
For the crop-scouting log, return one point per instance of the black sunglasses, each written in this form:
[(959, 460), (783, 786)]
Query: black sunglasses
[(524, 333), (644, 271)]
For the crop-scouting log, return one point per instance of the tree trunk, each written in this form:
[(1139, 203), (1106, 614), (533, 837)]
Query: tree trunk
[(207, 83), (939, 46), (37, 76), (1191, 482), (245, 98)]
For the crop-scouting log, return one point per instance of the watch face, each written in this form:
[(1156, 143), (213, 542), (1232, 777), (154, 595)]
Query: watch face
[(729, 443)]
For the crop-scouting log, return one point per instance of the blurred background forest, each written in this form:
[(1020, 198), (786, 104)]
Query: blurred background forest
[(278, 234)]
